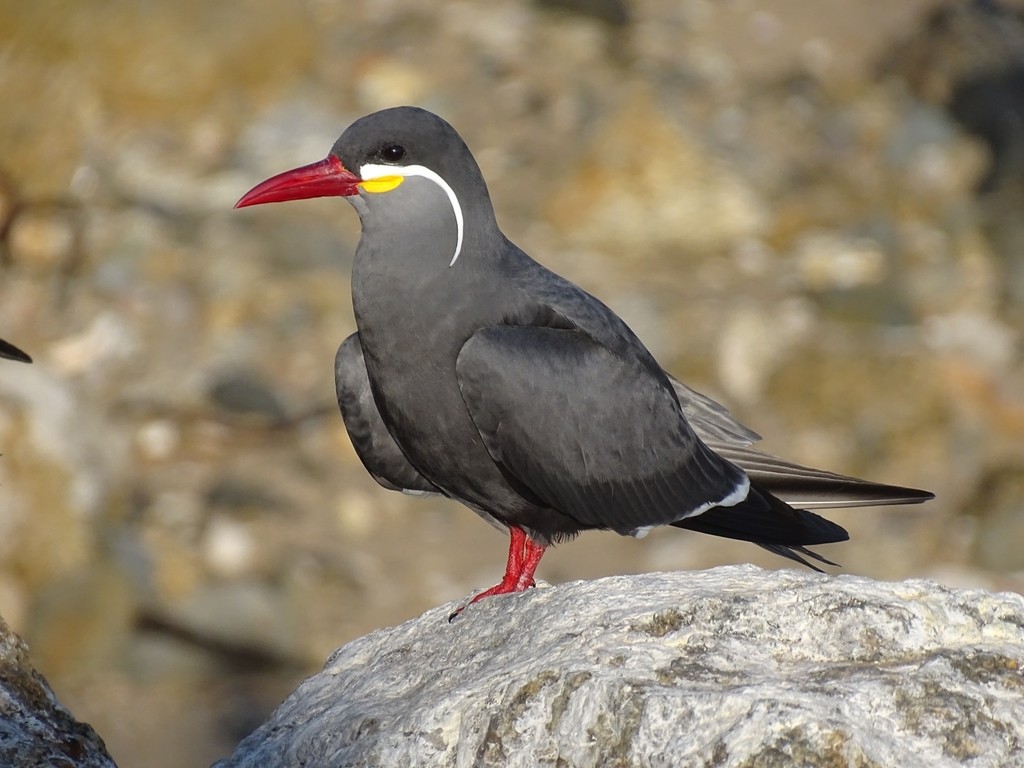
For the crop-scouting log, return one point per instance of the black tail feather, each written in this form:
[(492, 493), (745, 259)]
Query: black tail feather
[(792, 551), (770, 523)]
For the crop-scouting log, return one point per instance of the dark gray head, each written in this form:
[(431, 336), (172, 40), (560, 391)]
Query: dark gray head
[(409, 137), (394, 166)]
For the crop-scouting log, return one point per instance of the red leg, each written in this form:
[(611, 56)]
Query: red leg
[(532, 553), (524, 556)]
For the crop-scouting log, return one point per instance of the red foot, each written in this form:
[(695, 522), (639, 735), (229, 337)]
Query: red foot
[(524, 556)]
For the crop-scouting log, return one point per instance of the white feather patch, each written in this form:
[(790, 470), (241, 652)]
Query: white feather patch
[(739, 493), (374, 171)]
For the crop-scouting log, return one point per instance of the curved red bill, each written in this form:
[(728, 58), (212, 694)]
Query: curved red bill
[(327, 178)]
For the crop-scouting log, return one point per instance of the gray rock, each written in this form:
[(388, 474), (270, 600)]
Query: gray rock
[(35, 730), (727, 667)]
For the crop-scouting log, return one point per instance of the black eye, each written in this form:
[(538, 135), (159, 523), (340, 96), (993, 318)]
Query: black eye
[(392, 153)]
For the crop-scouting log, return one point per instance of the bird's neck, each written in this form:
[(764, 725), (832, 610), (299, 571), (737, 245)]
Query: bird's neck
[(412, 305)]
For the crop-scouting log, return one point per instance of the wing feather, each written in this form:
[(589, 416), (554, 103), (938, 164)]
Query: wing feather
[(590, 432), (810, 488), (374, 445), (709, 419)]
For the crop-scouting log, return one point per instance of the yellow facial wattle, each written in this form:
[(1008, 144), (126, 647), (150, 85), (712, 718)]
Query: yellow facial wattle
[(381, 184)]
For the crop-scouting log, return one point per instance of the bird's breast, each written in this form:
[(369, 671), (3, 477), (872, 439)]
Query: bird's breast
[(412, 327)]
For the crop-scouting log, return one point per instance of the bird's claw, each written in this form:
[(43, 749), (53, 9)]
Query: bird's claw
[(458, 611)]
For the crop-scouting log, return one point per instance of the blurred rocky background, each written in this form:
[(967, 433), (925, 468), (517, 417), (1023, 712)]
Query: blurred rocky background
[(811, 211)]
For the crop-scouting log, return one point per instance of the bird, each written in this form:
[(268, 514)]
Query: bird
[(11, 352), (477, 374)]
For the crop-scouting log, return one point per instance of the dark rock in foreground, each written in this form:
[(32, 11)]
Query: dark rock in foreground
[(35, 730), (727, 667)]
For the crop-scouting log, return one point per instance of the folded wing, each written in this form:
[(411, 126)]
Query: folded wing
[(810, 488), (373, 443), (592, 433)]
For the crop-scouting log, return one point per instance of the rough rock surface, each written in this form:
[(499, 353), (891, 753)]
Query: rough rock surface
[(35, 730), (727, 667)]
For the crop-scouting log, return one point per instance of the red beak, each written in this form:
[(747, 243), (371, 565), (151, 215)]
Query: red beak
[(327, 178)]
